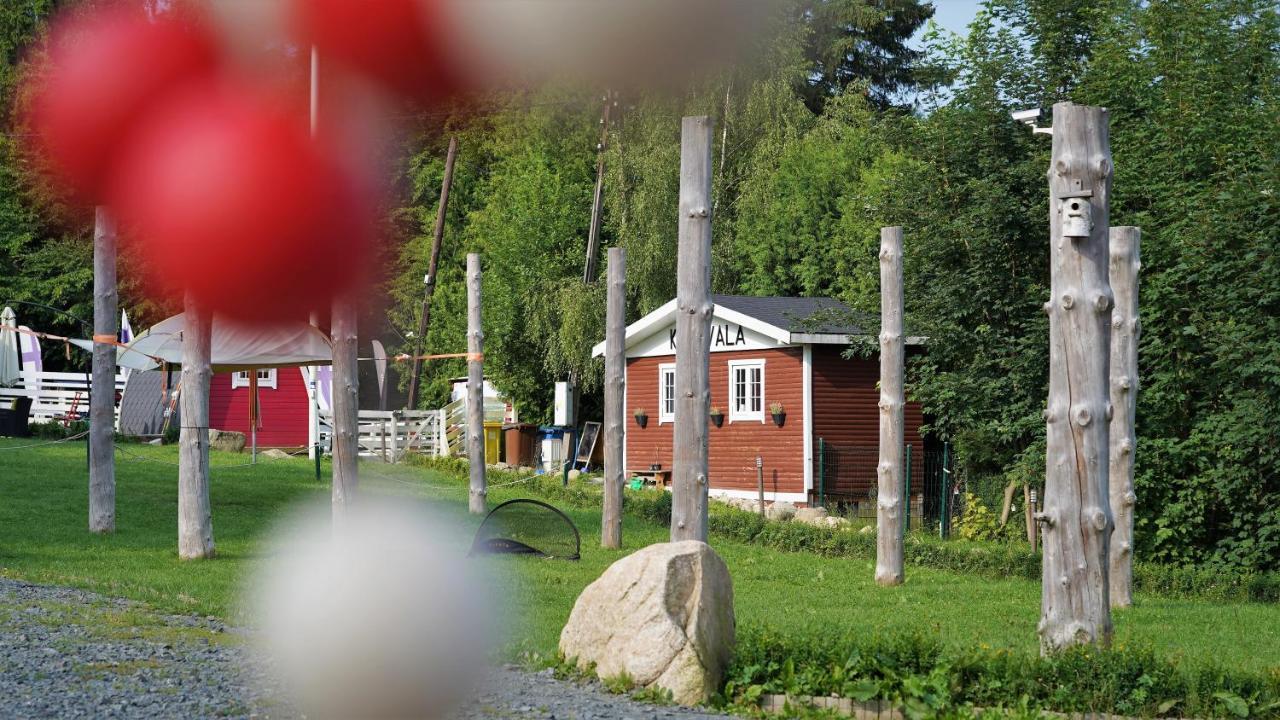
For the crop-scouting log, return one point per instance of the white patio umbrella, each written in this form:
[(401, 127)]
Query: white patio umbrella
[(10, 365)]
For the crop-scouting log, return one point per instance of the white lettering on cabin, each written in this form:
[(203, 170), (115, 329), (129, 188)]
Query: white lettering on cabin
[(721, 335)]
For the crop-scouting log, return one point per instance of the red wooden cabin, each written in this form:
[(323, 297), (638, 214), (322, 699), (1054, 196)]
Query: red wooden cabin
[(764, 350), (283, 405)]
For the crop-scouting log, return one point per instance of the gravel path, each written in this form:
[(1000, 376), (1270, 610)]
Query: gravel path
[(66, 653)]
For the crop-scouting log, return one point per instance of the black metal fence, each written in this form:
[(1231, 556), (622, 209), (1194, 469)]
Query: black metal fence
[(845, 482)]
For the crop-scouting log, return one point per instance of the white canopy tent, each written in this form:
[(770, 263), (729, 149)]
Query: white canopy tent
[(236, 346)]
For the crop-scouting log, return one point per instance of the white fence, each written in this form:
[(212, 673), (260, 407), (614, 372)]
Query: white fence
[(56, 395), (390, 435)]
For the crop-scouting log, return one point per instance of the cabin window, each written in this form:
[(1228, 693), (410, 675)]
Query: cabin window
[(266, 378), (746, 390), (666, 393)]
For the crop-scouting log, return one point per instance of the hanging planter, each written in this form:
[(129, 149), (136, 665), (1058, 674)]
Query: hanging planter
[(641, 418), (778, 413), (717, 416)]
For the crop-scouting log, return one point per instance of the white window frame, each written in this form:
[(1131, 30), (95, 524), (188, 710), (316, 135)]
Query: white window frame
[(266, 378), (663, 370), (747, 415)]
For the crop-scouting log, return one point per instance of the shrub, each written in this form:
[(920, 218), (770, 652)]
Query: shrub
[(974, 557), (917, 672)]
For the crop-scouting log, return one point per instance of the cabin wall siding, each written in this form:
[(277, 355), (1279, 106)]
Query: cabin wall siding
[(846, 401), (732, 448), (284, 409)]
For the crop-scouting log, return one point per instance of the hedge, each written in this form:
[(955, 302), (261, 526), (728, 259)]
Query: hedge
[(983, 559)]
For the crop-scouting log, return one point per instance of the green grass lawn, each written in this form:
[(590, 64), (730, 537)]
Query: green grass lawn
[(43, 538)]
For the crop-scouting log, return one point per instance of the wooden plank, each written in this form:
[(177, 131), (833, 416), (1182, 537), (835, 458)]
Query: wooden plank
[(690, 481)]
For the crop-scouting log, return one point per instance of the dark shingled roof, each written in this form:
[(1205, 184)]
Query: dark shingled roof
[(795, 314)]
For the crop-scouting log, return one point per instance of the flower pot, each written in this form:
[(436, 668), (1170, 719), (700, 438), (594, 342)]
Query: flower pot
[(642, 421), (779, 418), (717, 420)]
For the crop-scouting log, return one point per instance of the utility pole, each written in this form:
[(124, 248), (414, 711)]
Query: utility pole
[(615, 365), (591, 269), (437, 238), (889, 500), (102, 390), (1075, 602), (689, 482)]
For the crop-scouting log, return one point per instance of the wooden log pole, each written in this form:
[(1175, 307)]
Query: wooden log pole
[(475, 387), (689, 480), (615, 365), (1075, 604), (346, 407), (437, 239), (195, 517), (1126, 260), (889, 500), (102, 390)]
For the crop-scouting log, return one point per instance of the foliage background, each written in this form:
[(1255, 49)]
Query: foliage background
[(833, 128)]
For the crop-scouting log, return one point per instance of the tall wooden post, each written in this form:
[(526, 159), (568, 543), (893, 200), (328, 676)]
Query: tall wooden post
[(689, 479), (346, 406), (475, 386), (1125, 262), (437, 238), (889, 500), (102, 391), (615, 364), (1075, 605), (195, 518)]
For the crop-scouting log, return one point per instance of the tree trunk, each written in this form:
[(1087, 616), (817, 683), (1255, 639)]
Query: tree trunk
[(1075, 606), (689, 479), (615, 364), (475, 387), (437, 239), (889, 511), (195, 518), (346, 406), (1125, 263), (102, 391)]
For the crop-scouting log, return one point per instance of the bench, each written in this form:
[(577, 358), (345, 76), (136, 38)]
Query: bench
[(659, 478)]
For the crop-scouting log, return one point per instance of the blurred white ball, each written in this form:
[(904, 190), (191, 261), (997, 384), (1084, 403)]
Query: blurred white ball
[(385, 618)]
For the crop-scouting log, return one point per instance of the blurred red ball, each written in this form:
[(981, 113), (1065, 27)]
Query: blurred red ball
[(401, 44), (233, 202), (105, 69)]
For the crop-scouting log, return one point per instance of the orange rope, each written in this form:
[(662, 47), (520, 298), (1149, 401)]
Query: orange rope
[(478, 357), (103, 339)]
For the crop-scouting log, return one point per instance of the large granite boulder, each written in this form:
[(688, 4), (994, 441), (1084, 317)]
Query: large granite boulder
[(226, 440), (663, 616)]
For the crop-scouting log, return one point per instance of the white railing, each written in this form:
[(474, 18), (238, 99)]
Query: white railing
[(390, 435), (56, 395)]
